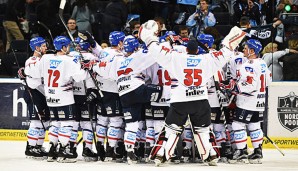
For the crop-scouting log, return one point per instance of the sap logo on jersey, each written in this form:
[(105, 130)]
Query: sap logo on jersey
[(193, 62), (238, 61), (249, 69), (125, 63), (54, 63)]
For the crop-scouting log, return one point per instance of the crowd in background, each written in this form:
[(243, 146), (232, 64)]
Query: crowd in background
[(21, 18)]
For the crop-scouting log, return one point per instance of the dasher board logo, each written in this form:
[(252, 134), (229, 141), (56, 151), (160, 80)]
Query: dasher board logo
[(288, 111)]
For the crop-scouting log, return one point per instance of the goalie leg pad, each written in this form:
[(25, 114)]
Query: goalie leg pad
[(202, 139), (166, 142)]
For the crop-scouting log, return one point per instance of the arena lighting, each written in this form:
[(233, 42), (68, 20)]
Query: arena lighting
[(291, 8)]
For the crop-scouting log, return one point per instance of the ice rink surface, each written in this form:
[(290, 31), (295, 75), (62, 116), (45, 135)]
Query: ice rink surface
[(12, 158)]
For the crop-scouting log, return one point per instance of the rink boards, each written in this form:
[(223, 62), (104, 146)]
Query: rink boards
[(282, 120)]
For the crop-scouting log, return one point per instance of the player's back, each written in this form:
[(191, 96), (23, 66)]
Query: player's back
[(59, 73)]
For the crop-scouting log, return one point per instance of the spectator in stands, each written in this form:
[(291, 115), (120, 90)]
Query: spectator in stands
[(72, 26), (201, 19), (104, 44), (134, 27), (82, 14), (239, 6), (114, 17), (183, 31), (271, 56), (161, 25), (14, 15), (253, 12), (216, 35), (160, 8), (290, 61)]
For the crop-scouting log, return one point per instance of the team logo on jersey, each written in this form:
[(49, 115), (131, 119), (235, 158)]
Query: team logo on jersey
[(103, 55), (193, 62), (263, 68), (54, 63), (249, 69), (238, 61), (125, 63), (288, 111)]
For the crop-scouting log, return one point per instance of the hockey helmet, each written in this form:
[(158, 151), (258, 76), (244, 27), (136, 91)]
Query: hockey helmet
[(83, 44), (255, 45), (36, 42), (130, 44), (206, 39), (61, 41), (115, 37)]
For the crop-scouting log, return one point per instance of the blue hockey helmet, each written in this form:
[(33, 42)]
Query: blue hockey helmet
[(255, 45), (61, 41), (36, 42), (168, 33), (83, 44), (115, 37), (206, 39), (130, 44)]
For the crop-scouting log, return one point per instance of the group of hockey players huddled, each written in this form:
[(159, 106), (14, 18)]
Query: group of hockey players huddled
[(135, 101)]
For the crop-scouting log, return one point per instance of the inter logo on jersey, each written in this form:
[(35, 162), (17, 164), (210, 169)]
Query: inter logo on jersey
[(54, 63), (193, 62), (125, 63)]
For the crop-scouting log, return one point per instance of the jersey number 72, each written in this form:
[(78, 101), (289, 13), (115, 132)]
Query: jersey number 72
[(56, 75)]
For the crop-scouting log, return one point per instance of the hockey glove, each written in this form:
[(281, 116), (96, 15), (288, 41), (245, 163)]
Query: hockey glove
[(21, 73), (85, 35), (87, 64), (175, 40), (148, 32), (91, 95), (233, 39)]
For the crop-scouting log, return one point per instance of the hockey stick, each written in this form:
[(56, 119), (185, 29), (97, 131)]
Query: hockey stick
[(49, 31), (273, 143), (30, 94), (61, 8)]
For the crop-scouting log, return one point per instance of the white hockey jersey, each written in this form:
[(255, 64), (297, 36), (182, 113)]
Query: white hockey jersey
[(234, 64), (34, 83), (79, 88), (253, 80), (161, 76), (108, 55), (213, 92), (127, 72), (59, 73), (191, 72)]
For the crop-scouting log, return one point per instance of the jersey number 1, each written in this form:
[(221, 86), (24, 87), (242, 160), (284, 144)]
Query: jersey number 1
[(56, 75)]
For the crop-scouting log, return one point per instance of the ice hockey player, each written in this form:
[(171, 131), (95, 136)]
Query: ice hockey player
[(132, 89), (59, 71), (85, 95), (189, 92), (35, 99), (250, 88), (110, 123)]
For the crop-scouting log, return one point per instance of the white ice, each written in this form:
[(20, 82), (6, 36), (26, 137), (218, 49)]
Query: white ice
[(12, 158)]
